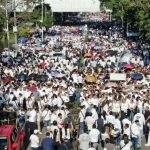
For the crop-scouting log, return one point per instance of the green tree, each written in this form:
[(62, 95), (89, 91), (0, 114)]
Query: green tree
[(136, 13), (24, 32), (47, 19)]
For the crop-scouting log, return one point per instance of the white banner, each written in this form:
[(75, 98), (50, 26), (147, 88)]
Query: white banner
[(117, 76), (74, 5)]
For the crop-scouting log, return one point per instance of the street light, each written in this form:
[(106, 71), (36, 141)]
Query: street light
[(7, 24), (42, 19), (109, 11), (15, 22)]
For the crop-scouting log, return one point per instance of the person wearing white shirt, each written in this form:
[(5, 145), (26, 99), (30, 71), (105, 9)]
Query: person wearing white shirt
[(32, 120), (54, 116), (110, 118), (59, 102), (124, 106), (126, 121), (81, 118), (34, 139), (66, 132), (115, 107), (39, 115), (85, 103), (89, 120), (125, 144), (94, 113), (117, 123), (127, 130), (94, 135), (46, 115), (135, 133)]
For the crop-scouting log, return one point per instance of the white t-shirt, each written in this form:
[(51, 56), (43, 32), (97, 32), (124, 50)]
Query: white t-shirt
[(32, 116), (46, 115), (34, 141), (89, 121), (94, 134), (82, 115), (125, 146)]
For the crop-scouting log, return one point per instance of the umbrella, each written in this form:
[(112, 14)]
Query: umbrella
[(111, 52), (129, 66), (38, 48), (39, 43), (56, 74), (22, 39), (136, 76), (21, 76), (43, 64), (91, 79), (87, 55), (7, 79), (42, 78), (111, 84), (32, 88), (33, 76)]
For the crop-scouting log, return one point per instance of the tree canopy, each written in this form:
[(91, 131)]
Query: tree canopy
[(136, 13)]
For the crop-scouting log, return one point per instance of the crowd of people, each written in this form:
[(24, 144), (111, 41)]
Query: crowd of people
[(41, 89)]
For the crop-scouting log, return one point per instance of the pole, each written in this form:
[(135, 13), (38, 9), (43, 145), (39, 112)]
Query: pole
[(42, 18), (52, 18), (15, 22), (7, 25), (122, 18)]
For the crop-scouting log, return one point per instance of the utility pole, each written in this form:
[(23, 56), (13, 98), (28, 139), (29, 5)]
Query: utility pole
[(15, 22), (7, 24), (122, 17), (42, 19)]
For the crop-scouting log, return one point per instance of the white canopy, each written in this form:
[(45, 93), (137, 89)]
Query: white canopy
[(74, 5)]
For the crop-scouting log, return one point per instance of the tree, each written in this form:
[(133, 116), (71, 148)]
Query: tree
[(47, 20), (2, 22), (136, 13)]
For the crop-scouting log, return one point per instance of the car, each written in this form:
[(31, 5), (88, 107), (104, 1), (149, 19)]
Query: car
[(11, 138)]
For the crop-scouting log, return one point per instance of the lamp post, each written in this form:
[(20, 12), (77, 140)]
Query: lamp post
[(7, 24), (42, 19), (15, 22)]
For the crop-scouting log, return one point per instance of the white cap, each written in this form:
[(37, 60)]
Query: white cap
[(36, 131)]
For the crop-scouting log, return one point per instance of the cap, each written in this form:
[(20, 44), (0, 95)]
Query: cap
[(36, 131)]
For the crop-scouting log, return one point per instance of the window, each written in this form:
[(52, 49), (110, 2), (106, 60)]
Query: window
[(3, 143), (14, 136)]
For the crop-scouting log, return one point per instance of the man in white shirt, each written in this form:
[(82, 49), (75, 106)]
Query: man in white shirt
[(89, 121), (34, 139), (110, 118), (32, 120), (127, 130), (125, 144), (135, 133), (81, 118), (84, 140), (94, 135), (46, 114)]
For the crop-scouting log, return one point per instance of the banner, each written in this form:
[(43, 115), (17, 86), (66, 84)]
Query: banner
[(117, 76)]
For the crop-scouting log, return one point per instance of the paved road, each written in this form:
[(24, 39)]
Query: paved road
[(75, 144)]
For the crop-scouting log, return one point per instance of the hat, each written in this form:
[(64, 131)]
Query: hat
[(36, 131)]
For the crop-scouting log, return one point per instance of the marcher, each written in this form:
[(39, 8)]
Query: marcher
[(48, 143), (34, 139)]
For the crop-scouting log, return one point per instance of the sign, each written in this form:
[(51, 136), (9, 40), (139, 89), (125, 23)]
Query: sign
[(117, 77), (74, 5), (15, 30), (132, 34)]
